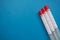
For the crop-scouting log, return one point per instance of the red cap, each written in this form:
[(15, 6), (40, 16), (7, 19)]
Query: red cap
[(43, 10), (40, 12), (46, 7)]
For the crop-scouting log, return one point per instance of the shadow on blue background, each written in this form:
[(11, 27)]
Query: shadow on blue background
[(19, 19)]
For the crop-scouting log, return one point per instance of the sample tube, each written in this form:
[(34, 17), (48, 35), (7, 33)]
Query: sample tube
[(50, 24), (46, 25), (52, 20)]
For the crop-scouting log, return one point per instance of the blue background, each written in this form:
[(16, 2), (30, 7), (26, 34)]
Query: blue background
[(19, 19)]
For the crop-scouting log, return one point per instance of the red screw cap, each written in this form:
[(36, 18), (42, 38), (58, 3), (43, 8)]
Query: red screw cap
[(46, 7), (43, 10), (40, 12)]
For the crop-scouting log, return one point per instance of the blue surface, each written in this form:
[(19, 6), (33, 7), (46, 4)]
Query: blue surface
[(19, 19)]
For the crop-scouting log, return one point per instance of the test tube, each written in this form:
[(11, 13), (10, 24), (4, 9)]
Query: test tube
[(50, 24), (46, 25), (52, 20)]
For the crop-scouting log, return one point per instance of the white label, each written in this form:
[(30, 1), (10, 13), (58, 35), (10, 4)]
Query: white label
[(46, 25), (49, 21), (52, 18)]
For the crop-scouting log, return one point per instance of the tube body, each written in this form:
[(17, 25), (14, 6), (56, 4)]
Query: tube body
[(47, 27), (53, 22)]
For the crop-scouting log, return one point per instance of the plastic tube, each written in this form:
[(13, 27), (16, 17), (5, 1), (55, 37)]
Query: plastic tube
[(46, 25), (52, 20), (50, 24)]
